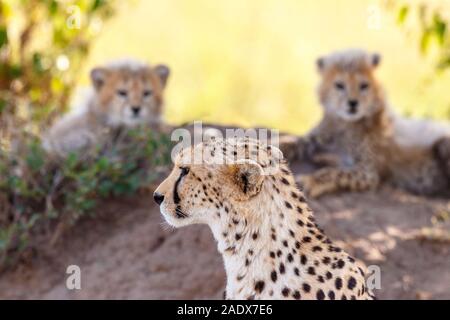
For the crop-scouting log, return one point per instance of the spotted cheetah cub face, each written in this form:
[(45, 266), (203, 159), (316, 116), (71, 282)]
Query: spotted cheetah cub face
[(348, 88), (226, 178), (129, 92)]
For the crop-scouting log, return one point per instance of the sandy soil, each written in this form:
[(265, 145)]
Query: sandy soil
[(127, 252)]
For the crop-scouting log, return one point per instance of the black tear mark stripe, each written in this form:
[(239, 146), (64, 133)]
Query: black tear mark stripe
[(176, 197), (245, 181)]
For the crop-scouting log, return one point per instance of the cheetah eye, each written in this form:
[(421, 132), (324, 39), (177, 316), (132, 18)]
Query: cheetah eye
[(364, 86), (339, 85), (184, 171), (148, 93), (122, 93)]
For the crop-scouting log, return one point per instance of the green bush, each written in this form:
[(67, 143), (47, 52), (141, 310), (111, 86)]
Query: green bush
[(430, 22), (39, 194), (43, 45)]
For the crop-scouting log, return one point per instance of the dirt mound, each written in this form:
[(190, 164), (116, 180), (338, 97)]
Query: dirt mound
[(127, 252)]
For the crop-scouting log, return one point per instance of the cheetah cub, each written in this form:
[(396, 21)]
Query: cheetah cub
[(271, 245), (360, 141), (125, 93)]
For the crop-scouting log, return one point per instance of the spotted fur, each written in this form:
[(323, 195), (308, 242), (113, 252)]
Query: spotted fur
[(265, 230)]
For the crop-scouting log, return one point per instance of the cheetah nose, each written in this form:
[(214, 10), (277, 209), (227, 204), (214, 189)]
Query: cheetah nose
[(158, 197), (136, 110), (353, 105)]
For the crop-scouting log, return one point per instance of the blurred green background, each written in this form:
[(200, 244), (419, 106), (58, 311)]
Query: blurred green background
[(253, 62)]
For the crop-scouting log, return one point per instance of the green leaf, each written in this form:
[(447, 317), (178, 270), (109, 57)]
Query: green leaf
[(102, 164), (121, 189), (444, 63), (37, 63), (3, 36), (425, 41), (88, 204), (71, 160), (105, 188), (2, 105), (440, 28), (402, 14), (35, 158), (97, 4), (53, 7), (15, 71)]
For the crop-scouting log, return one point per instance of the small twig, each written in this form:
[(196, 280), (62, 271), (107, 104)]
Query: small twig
[(57, 178)]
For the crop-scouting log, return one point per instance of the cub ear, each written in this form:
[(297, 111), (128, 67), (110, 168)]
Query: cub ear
[(320, 63), (248, 176), (98, 76), (375, 59), (163, 73)]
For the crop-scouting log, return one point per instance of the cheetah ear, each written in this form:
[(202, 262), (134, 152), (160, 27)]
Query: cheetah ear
[(163, 73), (248, 176), (98, 76), (375, 60)]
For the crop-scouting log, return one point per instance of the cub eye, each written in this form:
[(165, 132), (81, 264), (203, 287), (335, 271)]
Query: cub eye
[(364, 86), (184, 170), (339, 85), (122, 93), (148, 93)]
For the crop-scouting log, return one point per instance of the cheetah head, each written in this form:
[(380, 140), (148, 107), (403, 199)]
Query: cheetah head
[(214, 180), (129, 92), (348, 88)]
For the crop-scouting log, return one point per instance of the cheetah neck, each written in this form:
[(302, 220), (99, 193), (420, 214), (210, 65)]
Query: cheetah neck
[(265, 247)]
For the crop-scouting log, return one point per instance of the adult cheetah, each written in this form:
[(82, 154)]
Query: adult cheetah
[(266, 232)]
